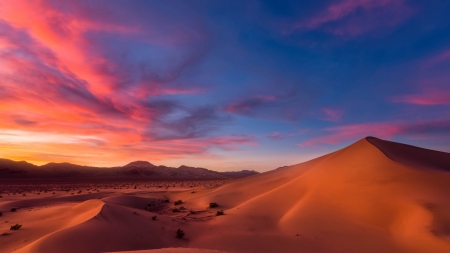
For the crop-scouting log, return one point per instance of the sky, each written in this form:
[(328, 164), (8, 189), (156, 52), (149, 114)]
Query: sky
[(225, 85)]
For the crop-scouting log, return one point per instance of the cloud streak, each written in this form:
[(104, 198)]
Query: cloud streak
[(356, 17), (386, 130)]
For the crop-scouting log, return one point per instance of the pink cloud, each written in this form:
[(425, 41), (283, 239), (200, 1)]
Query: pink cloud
[(277, 136), (439, 128), (247, 105), (336, 135), (426, 98), (356, 17), (332, 114), (437, 59), (232, 142)]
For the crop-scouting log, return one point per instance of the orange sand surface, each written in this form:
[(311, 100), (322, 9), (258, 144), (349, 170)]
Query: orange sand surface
[(373, 196)]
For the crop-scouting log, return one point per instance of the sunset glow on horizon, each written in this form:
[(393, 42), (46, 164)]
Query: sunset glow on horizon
[(226, 85)]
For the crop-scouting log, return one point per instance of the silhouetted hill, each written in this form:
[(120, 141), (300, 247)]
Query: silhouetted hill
[(137, 169)]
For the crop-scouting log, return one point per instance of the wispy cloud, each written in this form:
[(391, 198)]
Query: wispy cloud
[(277, 136), (387, 130), (426, 98), (336, 135), (355, 17), (331, 114)]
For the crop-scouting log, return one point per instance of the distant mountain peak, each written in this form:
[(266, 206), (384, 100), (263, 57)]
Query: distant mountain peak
[(140, 164)]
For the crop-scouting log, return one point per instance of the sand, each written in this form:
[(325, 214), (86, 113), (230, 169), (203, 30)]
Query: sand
[(373, 196)]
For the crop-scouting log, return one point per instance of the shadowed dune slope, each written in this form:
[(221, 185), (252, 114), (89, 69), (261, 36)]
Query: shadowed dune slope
[(413, 156)]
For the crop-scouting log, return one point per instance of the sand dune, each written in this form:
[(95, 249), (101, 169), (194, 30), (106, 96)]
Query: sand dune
[(363, 198)]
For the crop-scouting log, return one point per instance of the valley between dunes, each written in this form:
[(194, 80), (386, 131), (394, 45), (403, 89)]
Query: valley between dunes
[(372, 196)]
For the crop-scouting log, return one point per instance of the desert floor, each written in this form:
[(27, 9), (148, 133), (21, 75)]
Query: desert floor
[(353, 200)]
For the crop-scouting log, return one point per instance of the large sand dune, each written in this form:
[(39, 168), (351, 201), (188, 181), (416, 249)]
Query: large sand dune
[(373, 196)]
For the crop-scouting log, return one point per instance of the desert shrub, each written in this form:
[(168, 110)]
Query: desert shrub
[(180, 233), (15, 227), (181, 208), (191, 211), (13, 209), (178, 202), (166, 200), (213, 204), (1, 214), (176, 210), (1, 196), (221, 212), (154, 217)]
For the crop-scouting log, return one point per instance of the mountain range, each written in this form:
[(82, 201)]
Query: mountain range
[(137, 169)]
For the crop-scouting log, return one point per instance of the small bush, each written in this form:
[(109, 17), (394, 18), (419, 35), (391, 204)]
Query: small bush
[(178, 202), (1, 214), (166, 200), (154, 217), (221, 212), (176, 210), (13, 209), (15, 227), (180, 233), (213, 204)]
